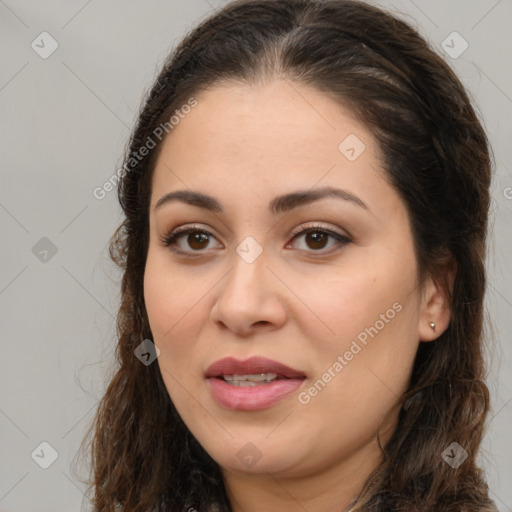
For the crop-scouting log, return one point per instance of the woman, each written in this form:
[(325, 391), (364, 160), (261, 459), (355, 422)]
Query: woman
[(305, 197)]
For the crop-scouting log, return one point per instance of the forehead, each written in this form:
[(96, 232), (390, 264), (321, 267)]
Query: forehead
[(271, 137)]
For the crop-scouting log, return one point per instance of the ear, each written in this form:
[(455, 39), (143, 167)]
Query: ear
[(435, 304)]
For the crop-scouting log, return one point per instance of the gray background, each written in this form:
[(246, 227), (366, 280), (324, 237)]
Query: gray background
[(65, 122)]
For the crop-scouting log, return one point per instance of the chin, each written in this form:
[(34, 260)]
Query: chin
[(248, 461)]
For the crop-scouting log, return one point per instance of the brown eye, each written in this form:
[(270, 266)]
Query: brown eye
[(188, 240), (197, 240), (317, 238), (193, 240)]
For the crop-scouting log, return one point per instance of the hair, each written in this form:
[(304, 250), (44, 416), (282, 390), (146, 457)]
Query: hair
[(434, 152)]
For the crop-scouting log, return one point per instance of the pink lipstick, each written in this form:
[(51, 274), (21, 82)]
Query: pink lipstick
[(252, 384)]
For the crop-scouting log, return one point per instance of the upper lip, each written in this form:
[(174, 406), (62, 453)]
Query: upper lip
[(253, 365)]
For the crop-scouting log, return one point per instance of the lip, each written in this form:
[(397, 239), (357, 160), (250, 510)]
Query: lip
[(255, 364), (254, 397)]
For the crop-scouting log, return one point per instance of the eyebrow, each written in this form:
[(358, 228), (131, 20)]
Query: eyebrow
[(279, 204)]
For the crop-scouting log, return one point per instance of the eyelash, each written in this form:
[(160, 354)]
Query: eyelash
[(169, 240)]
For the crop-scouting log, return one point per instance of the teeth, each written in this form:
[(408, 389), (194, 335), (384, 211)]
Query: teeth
[(245, 383), (250, 380)]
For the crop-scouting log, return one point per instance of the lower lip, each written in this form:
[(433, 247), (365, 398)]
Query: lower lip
[(252, 398)]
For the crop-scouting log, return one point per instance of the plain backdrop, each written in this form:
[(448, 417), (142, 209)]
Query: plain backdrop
[(65, 119)]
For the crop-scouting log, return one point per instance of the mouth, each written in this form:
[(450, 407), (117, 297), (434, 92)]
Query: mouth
[(251, 379), (253, 384), (252, 371)]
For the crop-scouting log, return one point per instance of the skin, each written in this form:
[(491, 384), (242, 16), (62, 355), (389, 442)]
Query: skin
[(300, 302)]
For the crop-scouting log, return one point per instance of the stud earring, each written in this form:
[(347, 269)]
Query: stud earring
[(432, 325)]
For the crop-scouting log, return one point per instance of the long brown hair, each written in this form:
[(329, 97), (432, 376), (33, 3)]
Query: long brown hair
[(436, 155)]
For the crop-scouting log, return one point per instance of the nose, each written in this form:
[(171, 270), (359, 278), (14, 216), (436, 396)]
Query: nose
[(249, 299)]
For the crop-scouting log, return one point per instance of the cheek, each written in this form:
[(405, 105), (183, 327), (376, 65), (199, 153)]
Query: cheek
[(175, 308), (169, 296), (341, 308), (356, 385), (369, 320), (173, 304)]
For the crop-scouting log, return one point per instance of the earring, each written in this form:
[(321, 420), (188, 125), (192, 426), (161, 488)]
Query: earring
[(432, 325)]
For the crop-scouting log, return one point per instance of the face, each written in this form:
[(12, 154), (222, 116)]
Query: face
[(325, 284)]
